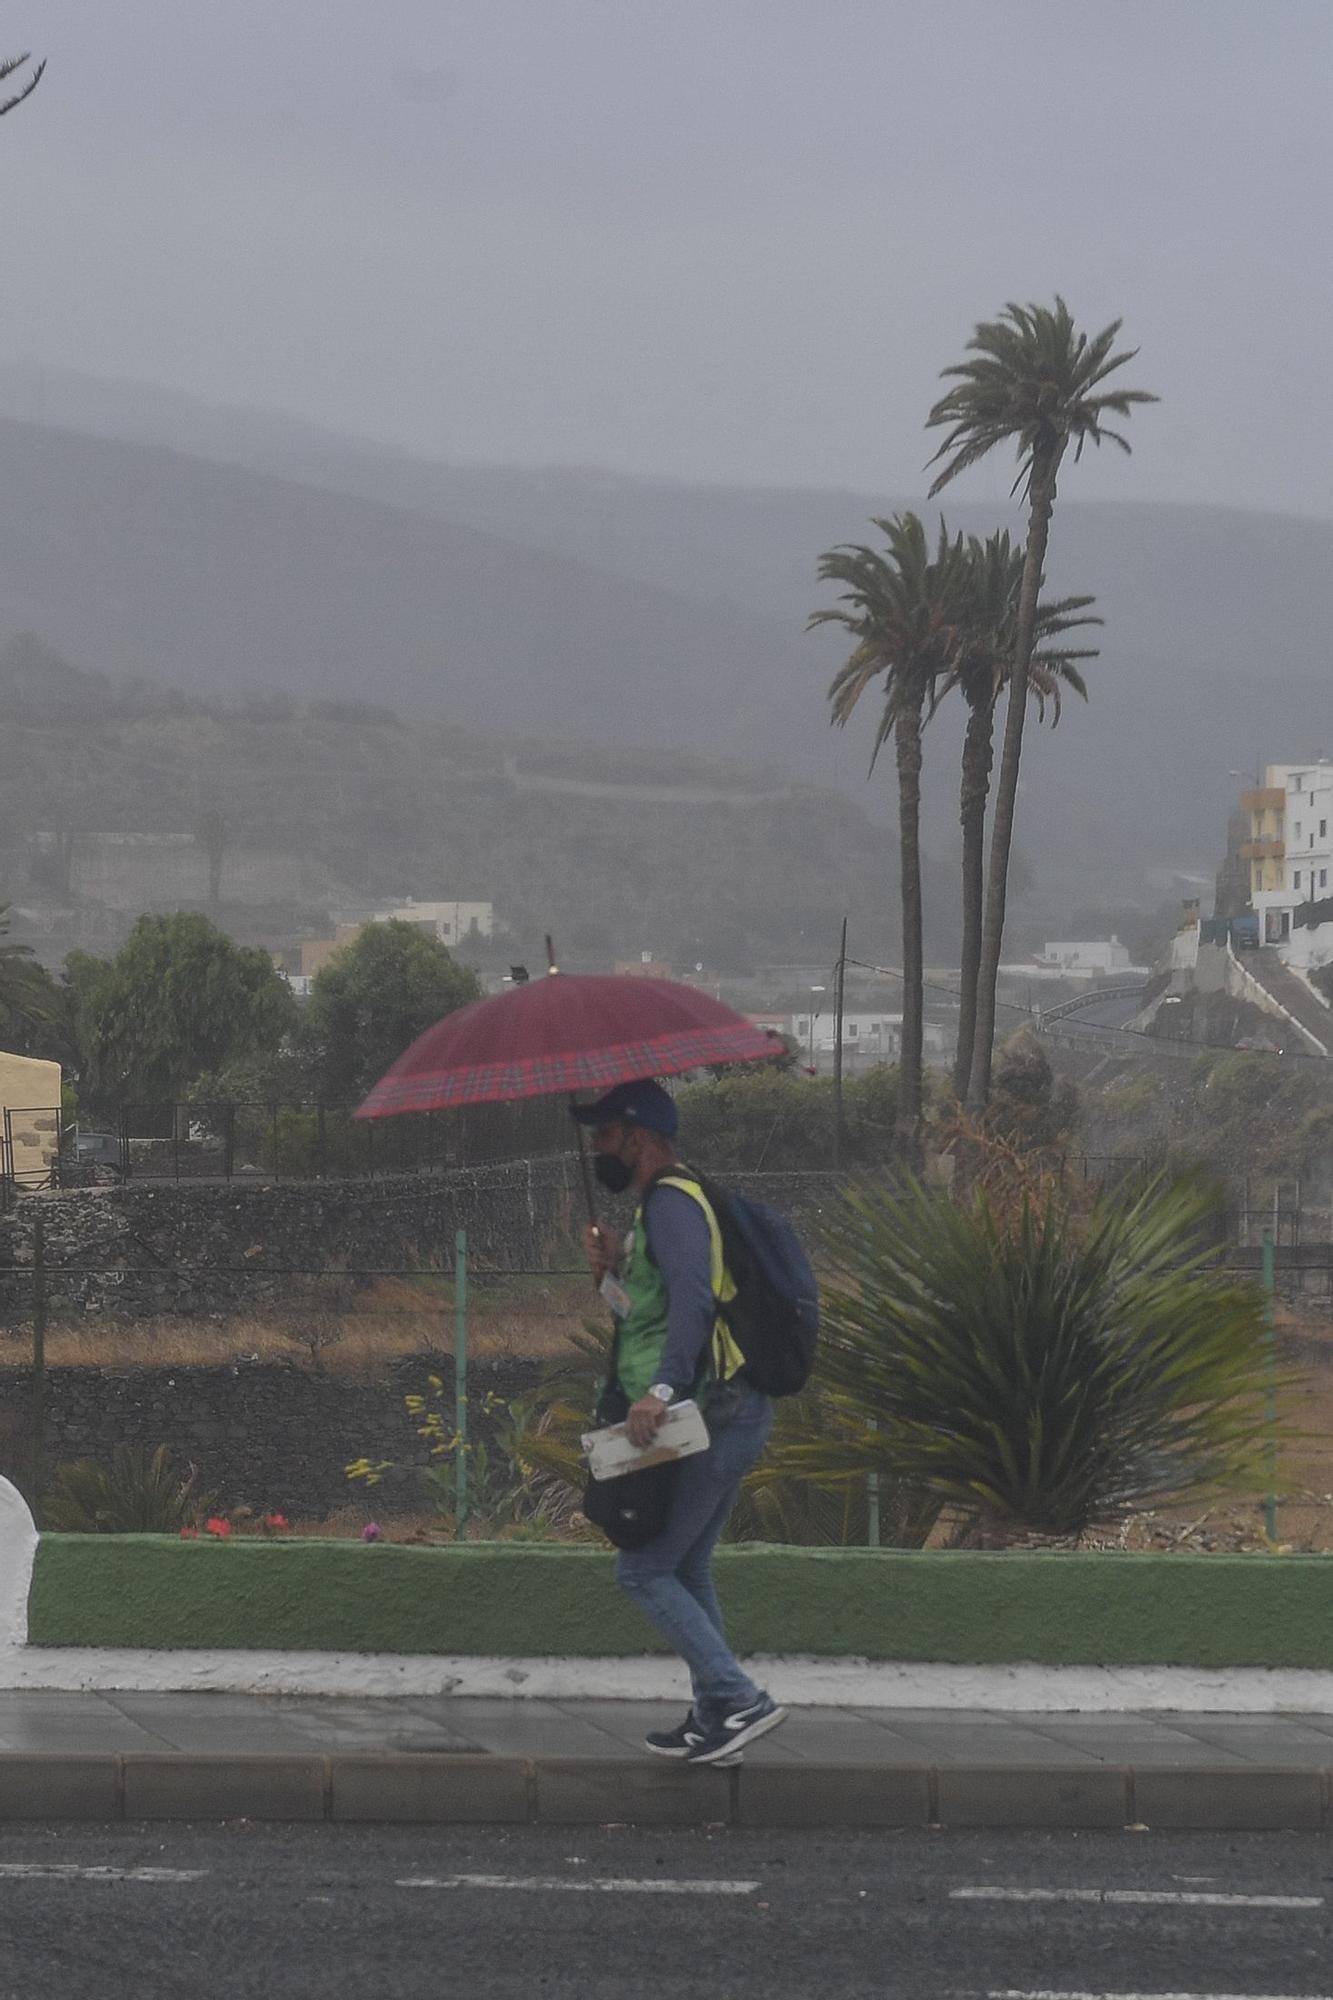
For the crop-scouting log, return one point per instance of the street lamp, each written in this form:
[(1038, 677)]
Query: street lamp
[(813, 1018)]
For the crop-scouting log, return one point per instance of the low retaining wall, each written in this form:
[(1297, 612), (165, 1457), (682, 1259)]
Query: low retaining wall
[(489, 1599), (269, 1435)]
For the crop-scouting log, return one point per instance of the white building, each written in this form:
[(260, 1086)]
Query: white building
[(866, 1038), (1290, 852), (451, 923), (1089, 957)]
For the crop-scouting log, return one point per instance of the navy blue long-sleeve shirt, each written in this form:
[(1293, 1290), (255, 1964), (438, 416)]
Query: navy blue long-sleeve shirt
[(678, 1238)]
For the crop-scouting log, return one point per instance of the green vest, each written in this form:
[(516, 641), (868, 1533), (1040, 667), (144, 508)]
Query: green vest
[(641, 1334)]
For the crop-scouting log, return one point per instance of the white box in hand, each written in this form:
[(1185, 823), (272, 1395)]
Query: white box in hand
[(609, 1452)]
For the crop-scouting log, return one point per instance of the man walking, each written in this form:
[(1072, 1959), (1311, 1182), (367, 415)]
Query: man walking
[(671, 1343)]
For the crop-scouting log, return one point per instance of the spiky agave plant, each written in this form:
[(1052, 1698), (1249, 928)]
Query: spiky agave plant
[(138, 1494), (1044, 1374)]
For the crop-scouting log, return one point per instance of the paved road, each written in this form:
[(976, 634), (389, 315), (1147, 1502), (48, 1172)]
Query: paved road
[(311, 1913)]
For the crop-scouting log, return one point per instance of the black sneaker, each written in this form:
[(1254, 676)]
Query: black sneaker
[(677, 1742), (727, 1738)]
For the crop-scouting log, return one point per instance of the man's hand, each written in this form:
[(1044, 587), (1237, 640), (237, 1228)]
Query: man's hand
[(601, 1251), (645, 1420)]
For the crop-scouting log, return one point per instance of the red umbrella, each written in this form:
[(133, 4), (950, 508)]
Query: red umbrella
[(566, 1031)]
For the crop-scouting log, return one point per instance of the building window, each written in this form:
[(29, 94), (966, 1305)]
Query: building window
[(1323, 878), (1297, 830), (1296, 879), (1323, 829)]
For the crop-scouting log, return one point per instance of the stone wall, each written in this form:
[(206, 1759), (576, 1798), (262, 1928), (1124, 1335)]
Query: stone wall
[(274, 1436), (147, 1249)]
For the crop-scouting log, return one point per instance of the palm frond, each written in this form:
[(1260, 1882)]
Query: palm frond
[(1034, 381)]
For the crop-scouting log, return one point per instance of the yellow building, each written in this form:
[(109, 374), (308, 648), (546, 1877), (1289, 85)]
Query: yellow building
[(30, 1106), (1266, 849)]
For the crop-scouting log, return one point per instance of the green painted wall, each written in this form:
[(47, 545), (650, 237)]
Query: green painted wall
[(1062, 1609)]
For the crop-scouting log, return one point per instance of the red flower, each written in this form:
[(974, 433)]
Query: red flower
[(276, 1521), (189, 1534), (218, 1527)]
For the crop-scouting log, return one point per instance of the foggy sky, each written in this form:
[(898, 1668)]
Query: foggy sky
[(712, 239)]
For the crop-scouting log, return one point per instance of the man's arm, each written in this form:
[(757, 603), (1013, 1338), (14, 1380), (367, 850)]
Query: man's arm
[(681, 1247)]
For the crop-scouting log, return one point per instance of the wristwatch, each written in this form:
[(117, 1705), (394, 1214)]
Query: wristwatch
[(663, 1392)]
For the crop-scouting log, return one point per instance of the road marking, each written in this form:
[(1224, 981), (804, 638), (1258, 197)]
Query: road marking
[(607, 1885), (1052, 1993), (69, 1871), (1209, 1898)]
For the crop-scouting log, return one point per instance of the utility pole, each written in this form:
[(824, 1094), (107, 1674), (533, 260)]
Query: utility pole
[(838, 985)]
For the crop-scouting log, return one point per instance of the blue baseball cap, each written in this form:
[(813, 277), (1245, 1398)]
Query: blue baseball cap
[(644, 1103)]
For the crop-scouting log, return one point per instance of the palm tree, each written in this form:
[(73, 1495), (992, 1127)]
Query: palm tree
[(11, 67), (1036, 382), (901, 608), (994, 578)]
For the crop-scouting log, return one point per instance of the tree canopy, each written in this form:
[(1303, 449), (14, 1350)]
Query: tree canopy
[(177, 1000), (372, 999)]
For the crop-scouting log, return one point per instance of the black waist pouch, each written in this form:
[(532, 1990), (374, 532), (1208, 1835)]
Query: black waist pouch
[(635, 1508)]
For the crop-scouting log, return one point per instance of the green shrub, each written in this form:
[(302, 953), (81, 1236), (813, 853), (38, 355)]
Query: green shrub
[(137, 1495)]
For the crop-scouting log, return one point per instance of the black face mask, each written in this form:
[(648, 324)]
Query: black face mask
[(613, 1173)]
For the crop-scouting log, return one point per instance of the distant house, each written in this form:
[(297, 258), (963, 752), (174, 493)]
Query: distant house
[(1088, 955), (450, 923)]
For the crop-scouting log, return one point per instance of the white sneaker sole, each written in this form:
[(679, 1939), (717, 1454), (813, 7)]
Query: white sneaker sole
[(730, 1751), (678, 1756)]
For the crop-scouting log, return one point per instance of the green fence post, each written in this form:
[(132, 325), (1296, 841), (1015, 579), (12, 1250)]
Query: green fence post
[(38, 1437), (460, 1378), (872, 1502), (1270, 1404)]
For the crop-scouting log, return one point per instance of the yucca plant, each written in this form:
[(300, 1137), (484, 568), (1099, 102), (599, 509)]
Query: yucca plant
[(138, 1494), (1039, 1373)]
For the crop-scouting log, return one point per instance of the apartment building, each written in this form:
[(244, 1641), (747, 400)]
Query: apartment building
[(1289, 851)]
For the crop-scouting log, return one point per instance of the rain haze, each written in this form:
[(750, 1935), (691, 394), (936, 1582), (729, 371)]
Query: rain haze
[(719, 242), (511, 365)]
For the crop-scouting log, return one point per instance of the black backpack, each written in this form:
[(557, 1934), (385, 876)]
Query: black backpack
[(774, 1317)]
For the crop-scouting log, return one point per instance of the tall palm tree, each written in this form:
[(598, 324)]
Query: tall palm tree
[(980, 671), (10, 67), (1038, 383), (901, 607)]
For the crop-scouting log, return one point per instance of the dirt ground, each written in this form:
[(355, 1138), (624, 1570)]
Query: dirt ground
[(1303, 1488)]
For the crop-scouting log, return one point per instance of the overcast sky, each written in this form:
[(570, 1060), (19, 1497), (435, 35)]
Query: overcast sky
[(716, 239)]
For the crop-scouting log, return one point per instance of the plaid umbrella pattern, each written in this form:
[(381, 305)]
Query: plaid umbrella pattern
[(566, 1032)]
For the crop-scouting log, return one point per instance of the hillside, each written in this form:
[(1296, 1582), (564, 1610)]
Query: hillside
[(112, 795), (594, 609)]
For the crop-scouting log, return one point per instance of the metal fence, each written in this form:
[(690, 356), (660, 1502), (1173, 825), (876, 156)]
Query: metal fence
[(290, 1139)]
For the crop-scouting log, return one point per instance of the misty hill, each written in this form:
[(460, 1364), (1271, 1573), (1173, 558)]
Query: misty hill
[(113, 794), (638, 610)]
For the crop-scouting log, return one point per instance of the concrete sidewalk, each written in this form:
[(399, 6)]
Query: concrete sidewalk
[(464, 1760)]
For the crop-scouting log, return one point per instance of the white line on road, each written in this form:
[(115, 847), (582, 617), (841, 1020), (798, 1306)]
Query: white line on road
[(1209, 1898), (1052, 1993), (627, 1886), (69, 1871)]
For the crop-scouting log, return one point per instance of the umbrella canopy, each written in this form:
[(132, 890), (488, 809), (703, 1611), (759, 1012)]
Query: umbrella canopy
[(566, 1031)]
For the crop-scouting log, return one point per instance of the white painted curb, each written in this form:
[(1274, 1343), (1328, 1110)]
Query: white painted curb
[(843, 1683)]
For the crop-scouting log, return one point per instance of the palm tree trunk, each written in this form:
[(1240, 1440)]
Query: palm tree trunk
[(907, 745), (1041, 503), (978, 756)]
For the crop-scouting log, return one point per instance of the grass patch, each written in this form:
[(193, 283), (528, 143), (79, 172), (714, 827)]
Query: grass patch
[(488, 1598)]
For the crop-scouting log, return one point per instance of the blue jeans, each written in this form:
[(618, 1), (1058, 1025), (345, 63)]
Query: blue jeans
[(671, 1577)]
